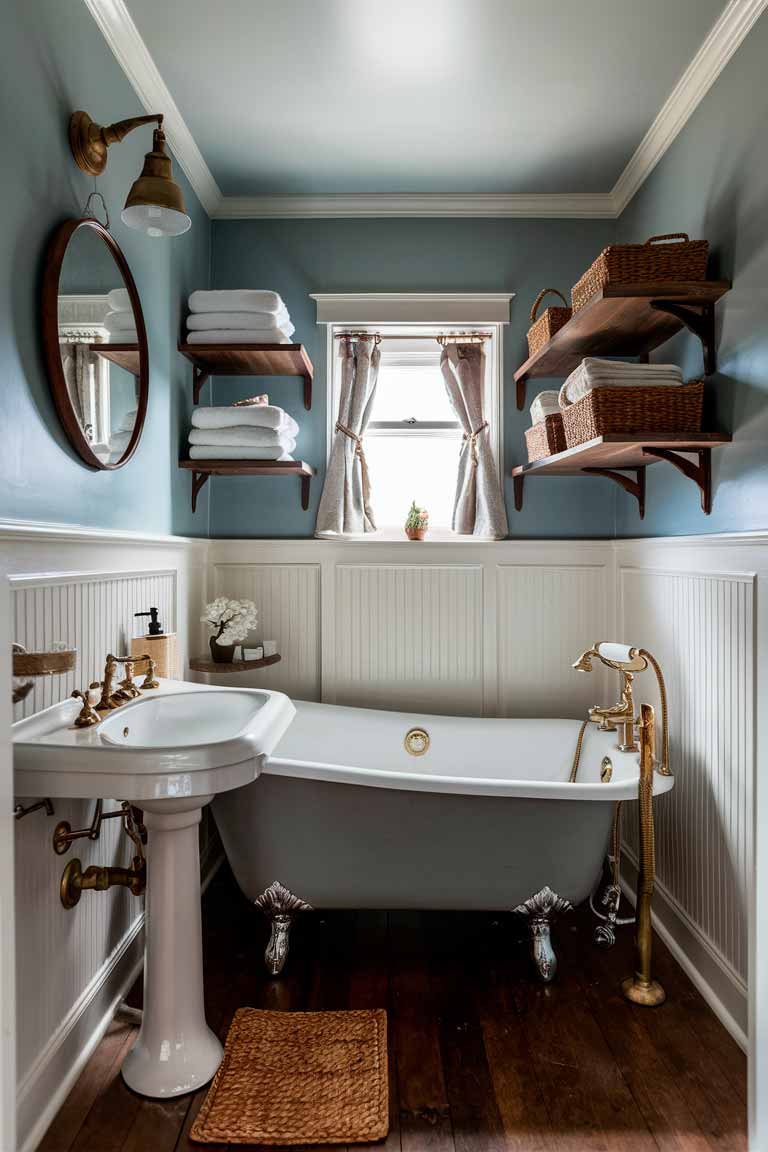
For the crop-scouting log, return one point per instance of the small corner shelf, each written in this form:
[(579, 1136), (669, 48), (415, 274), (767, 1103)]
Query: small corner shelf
[(629, 320), (202, 469), (248, 360), (125, 356), (201, 664), (623, 458)]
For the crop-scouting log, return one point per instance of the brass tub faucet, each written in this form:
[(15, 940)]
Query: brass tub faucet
[(627, 660)]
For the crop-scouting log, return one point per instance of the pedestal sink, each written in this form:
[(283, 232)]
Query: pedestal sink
[(168, 752)]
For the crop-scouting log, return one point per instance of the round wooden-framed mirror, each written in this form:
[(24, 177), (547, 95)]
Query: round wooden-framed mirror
[(95, 343)]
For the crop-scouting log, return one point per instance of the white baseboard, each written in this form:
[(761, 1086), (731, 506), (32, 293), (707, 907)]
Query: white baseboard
[(51, 1077), (722, 988)]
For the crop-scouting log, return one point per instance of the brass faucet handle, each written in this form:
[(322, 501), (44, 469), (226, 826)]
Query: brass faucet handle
[(150, 680), (129, 689), (87, 715)]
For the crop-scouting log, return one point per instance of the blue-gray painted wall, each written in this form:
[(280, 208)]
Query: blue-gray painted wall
[(53, 59), (713, 183), (297, 257)]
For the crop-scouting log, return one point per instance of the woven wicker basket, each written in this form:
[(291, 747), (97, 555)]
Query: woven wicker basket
[(550, 321), (636, 263), (545, 438), (669, 408)]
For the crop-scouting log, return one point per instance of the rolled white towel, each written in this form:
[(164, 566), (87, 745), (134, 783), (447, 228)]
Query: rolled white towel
[(242, 336), (236, 300), (229, 452), (545, 404), (253, 321), (257, 415), (243, 437), (119, 300)]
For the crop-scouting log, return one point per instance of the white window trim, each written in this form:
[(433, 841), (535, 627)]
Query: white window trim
[(417, 310)]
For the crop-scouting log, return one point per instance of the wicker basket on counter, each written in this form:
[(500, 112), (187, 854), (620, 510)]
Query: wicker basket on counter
[(638, 263), (550, 321), (545, 438), (655, 408)]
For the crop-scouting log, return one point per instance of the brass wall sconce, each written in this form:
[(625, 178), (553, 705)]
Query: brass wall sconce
[(155, 204)]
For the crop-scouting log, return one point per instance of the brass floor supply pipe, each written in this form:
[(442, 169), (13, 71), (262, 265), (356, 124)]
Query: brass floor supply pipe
[(98, 879), (642, 988)]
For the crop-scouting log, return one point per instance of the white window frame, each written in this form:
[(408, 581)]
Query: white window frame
[(418, 311)]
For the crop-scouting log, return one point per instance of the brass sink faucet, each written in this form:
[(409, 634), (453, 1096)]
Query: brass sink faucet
[(111, 696)]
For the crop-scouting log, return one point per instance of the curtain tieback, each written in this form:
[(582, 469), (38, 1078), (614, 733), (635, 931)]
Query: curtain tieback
[(361, 456), (472, 437)]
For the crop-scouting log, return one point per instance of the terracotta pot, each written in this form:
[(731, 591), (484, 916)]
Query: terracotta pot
[(416, 533), (222, 653)]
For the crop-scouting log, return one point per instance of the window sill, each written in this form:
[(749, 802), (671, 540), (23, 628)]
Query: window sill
[(398, 536)]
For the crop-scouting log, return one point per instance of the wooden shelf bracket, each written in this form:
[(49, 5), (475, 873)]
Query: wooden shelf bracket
[(199, 379), (635, 487), (699, 319), (198, 481), (700, 473)]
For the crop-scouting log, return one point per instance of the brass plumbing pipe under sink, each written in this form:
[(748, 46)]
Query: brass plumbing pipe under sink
[(99, 878)]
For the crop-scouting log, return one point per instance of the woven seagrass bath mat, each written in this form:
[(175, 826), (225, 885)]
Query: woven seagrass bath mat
[(299, 1078)]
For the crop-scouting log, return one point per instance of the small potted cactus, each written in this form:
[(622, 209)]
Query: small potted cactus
[(417, 523)]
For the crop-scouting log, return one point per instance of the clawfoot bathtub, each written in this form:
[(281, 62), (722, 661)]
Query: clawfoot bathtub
[(359, 808)]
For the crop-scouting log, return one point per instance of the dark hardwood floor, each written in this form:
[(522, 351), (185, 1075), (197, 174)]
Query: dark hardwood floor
[(482, 1058)]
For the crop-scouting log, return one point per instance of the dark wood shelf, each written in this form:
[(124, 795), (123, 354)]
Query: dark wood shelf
[(616, 453), (248, 360), (201, 664), (202, 469), (125, 356), (628, 320)]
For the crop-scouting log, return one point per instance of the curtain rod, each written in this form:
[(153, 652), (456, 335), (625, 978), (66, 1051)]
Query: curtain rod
[(443, 338)]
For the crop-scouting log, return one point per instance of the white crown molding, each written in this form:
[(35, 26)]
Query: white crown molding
[(133, 56), (725, 36), (727, 33), (588, 205)]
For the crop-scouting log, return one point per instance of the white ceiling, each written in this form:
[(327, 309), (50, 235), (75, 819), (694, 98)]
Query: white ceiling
[(560, 105)]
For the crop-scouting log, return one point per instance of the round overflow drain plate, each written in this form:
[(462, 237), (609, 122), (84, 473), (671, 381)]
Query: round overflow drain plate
[(416, 741)]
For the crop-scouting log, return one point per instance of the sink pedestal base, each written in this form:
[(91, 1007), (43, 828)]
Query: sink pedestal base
[(175, 1051)]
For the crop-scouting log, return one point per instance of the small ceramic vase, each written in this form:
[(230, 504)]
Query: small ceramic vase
[(222, 653)]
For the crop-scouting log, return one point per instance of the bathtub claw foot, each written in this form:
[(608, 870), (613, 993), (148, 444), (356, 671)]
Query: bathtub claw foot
[(281, 907), (540, 910)]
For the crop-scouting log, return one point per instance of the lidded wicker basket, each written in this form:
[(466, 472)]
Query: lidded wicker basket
[(550, 321), (652, 409), (636, 263)]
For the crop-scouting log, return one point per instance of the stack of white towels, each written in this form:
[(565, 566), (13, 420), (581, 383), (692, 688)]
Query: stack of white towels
[(254, 431), (595, 373), (238, 316), (120, 321)]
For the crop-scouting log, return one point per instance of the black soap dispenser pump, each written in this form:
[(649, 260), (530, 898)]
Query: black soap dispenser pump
[(160, 645), (155, 627)]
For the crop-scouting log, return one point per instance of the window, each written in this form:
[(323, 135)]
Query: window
[(413, 439)]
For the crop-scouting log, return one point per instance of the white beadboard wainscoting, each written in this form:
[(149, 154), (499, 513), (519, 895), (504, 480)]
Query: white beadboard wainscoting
[(72, 967), (469, 628)]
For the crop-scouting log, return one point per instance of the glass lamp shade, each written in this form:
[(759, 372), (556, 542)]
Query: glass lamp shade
[(155, 203), (155, 220)]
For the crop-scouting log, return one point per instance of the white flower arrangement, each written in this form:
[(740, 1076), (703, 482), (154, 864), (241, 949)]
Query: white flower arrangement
[(230, 621)]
